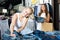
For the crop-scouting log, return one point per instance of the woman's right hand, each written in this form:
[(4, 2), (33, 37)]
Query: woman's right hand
[(12, 35), (46, 21)]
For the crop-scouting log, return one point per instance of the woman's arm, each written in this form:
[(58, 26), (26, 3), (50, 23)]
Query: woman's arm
[(23, 25), (14, 18), (48, 17)]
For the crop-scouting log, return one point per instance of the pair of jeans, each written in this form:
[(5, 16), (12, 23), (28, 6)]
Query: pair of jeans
[(6, 36)]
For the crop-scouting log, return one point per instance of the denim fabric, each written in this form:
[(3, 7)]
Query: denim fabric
[(31, 37), (43, 36), (58, 36), (55, 33), (36, 35), (6, 36), (35, 10), (39, 19)]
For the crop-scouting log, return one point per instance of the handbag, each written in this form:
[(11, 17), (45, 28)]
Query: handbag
[(47, 27)]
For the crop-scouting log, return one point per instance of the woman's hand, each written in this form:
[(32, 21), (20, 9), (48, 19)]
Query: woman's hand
[(46, 20), (12, 35)]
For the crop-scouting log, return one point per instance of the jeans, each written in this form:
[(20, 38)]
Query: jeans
[(36, 35), (43, 36), (18, 36), (6, 36)]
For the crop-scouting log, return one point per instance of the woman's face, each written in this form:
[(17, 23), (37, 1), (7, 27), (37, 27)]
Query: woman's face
[(43, 7), (27, 12)]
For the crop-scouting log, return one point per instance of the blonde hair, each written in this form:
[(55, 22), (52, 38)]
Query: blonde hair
[(30, 9), (32, 15)]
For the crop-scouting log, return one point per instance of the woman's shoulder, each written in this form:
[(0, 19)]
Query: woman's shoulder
[(16, 14)]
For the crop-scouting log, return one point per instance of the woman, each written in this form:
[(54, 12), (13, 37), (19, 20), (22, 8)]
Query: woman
[(19, 21), (44, 13)]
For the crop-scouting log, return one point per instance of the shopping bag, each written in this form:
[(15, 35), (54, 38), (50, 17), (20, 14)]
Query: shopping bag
[(47, 27)]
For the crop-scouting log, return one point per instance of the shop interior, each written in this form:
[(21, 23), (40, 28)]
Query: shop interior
[(9, 7)]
